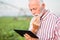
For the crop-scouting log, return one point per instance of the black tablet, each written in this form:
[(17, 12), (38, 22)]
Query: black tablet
[(22, 32)]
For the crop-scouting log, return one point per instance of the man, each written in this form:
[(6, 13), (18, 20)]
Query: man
[(43, 23)]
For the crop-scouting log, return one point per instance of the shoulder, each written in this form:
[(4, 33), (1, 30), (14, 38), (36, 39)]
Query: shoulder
[(49, 15), (52, 14)]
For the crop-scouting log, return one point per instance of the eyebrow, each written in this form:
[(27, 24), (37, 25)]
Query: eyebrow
[(33, 9)]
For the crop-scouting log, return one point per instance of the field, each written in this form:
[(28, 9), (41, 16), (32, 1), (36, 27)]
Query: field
[(8, 24)]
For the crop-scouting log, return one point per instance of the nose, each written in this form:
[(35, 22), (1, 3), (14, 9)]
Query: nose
[(33, 12)]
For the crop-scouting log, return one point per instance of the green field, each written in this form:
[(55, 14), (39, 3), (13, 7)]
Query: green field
[(8, 24)]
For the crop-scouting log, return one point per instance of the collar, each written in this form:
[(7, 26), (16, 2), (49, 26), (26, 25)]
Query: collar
[(46, 13)]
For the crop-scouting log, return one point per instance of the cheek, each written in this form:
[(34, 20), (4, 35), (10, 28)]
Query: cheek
[(38, 11), (33, 11)]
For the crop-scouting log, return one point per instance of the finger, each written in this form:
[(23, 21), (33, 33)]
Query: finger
[(27, 36), (36, 24), (34, 39)]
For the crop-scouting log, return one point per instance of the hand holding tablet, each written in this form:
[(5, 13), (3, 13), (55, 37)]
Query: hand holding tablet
[(22, 32)]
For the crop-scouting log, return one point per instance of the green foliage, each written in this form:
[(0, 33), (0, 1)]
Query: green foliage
[(8, 24)]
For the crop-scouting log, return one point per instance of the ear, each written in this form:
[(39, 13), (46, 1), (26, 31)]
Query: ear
[(43, 5)]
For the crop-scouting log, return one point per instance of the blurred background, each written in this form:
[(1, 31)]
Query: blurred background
[(15, 14)]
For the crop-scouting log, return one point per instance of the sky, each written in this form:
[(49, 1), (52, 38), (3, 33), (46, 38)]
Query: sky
[(53, 5), (17, 3)]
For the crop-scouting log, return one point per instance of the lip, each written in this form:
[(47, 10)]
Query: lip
[(36, 14)]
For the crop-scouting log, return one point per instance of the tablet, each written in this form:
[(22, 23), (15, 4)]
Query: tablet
[(22, 32)]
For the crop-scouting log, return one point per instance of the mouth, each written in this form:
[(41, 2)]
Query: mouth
[(35, 14)]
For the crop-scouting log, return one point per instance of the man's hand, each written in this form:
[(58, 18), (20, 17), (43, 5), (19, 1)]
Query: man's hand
[(29, 37), (36, 24), (37, 21)]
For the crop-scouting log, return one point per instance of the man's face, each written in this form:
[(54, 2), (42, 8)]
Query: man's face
[(35, 8)]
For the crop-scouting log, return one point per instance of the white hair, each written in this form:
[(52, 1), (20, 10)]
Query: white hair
[(41, 1)]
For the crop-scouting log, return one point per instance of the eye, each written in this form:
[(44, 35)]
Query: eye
[(33, 9)]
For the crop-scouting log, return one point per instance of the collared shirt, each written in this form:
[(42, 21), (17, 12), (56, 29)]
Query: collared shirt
[(57, 30), (48, 22)]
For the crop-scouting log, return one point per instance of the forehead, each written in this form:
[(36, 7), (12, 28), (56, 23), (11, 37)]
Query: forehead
[(34, 1), (34, 5)]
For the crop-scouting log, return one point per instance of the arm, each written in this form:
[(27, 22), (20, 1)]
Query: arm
[(35, 28), (35, 24)]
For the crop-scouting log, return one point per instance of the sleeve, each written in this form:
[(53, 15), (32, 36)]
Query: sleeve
[(57, 30)]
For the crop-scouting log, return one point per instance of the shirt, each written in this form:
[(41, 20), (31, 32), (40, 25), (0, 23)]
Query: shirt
[(46, 30), (57, 30)]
